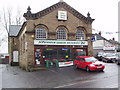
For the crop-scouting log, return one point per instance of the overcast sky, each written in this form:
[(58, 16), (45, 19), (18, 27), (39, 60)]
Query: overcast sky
[(105, 12)]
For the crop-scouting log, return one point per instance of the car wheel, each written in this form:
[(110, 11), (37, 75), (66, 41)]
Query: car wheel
[(106, 61), (118, 63), (114, 61), (87, 69), (102, 70)]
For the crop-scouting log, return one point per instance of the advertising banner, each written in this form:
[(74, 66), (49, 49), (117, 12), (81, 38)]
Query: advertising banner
[(64, 64)]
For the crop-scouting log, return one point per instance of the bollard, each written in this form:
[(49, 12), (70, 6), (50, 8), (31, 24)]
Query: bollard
[(51, 63), (57, 65), (47, 63)]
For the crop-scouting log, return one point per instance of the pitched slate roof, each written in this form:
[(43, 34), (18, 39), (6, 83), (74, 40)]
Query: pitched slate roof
[(14, 30), (48, 10), (114, 42), (99, 37)]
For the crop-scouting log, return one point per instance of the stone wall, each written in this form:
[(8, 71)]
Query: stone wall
[(50, 20), (13, 46)]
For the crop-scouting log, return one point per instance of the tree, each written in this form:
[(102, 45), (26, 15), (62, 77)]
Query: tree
[(19, 17), (7, 18)]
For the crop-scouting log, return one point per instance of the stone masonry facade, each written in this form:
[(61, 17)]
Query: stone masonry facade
[(48, 19)]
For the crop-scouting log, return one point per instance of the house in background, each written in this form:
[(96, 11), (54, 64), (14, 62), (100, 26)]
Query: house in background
[(101, 44), (116, 43), (13, 44), (4, 58)]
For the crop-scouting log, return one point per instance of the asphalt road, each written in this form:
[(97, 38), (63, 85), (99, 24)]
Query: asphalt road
[(67, 77), (106, 79)]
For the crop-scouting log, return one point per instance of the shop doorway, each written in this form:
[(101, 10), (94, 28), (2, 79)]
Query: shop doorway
[(79, 52)]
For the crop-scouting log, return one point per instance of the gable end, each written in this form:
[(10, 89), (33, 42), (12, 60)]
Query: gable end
[(30, 16)]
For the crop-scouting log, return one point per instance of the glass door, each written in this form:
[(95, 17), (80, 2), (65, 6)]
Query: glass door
[(79, 52)]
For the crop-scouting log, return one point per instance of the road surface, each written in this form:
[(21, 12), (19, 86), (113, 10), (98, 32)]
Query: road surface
[(67, 77)]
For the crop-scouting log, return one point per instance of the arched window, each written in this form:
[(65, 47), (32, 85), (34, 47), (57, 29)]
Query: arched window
[(80, 35), (41, 33), (61, 34)]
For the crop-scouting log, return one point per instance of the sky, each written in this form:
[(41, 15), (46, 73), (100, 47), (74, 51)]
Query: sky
[(105, 12)]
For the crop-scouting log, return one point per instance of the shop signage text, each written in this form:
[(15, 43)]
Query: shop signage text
[(109, 48), (54, 42)]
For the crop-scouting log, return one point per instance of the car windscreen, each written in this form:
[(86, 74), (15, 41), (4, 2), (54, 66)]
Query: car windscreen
[(100, 53), (110, 55), (90, 59)]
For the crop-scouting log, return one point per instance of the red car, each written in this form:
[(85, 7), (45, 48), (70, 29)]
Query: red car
[(89, 63)]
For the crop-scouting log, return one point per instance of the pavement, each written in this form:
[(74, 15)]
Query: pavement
[(1, 66)]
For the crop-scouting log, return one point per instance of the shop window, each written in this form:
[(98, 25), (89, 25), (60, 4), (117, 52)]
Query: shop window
[(23, 43), (41, 33), (53, 53), (64, 53), (61, 34), (37, 56), (80, 35), (50, 53)]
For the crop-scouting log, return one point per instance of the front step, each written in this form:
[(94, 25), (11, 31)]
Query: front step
[(36, 68)]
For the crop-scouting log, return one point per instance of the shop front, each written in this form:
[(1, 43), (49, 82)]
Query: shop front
[(60, 51)]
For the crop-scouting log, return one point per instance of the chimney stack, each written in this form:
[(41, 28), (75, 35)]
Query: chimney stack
[(61, 1), (99, 33), (113, 39)]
